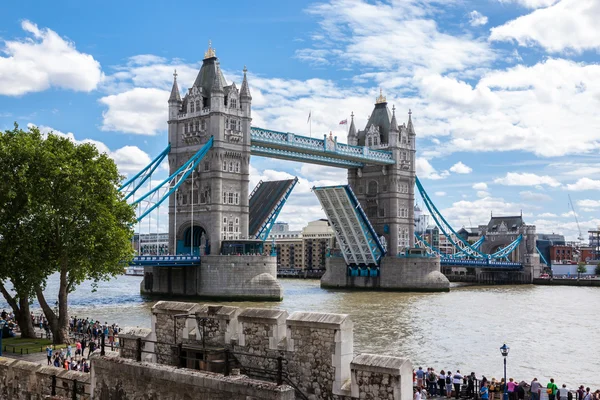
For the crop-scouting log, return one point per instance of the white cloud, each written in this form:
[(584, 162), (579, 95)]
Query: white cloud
[(477, 19), (141, 111), (129, 159), (584, 184), (482, 194), (569, 25), (569, 214), (440, 194), (480, 186), (44, 60), (532, 3), (547, 215), (588, 203), (426, 171), (460, 168), (478, 211), (400, 36), (533, 196), (526, 179)]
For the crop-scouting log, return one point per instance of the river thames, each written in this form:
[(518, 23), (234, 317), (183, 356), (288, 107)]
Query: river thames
[(552, 331)]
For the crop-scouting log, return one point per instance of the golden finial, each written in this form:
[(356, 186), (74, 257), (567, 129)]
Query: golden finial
[(210, 53), (381, 98)]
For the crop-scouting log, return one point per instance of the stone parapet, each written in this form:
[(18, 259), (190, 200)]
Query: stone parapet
[(262, 328), (380, 377), (219, 324), (24, 380)]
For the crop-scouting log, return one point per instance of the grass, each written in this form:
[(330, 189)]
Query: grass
[(27, 346)]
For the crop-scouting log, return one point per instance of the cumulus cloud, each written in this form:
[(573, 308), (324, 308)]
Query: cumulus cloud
[(584, 184), (141, 111), (547, 215), (477, 19), (482, 194), (532, 3), (460, 168), (426, 171), (129, 159), (526, 179), (589, 203), (534, 196), (45, 60), (568, 25), (478, 211), (480, 186), (440, 194)]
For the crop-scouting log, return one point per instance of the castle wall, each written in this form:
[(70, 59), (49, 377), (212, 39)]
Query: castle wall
[(317, 349)]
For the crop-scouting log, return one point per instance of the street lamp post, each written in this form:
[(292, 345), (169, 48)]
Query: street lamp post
[(504, 350)]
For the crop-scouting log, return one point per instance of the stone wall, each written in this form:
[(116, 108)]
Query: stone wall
[(23, 380), (396, 274), (316, 349), (122, 379)]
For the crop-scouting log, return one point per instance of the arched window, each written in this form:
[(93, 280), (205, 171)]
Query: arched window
[(370, 141), (233, 103), (224, 165), (224, 197), (197, 105), (372, 188), (191, 106), (237, 167), (239, 125), (196, 125), (237, 198), (230, 198), (230, 166)]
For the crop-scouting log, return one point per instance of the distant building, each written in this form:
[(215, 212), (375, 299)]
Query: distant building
[(595, 244), (545, 241), (145, 244), (305, 249), (562, 254), (469, 234), (421, 220)]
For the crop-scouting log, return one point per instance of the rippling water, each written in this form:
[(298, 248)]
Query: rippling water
[(552, 330)]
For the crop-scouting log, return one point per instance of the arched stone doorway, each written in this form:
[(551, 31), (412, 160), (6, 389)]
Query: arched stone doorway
[(195, 241)]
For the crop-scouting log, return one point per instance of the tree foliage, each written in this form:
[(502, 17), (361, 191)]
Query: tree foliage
[(581, 269), (71, 219)]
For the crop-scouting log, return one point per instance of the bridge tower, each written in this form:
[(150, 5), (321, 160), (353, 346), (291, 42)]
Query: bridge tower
[(387, 193), (212, 204)]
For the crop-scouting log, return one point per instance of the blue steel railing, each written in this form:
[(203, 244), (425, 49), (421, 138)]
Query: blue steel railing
[(291, 141), (166, 260), (481, 263)]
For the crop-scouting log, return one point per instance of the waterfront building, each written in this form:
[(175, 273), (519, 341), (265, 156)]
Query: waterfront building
[(305, 249), (145, 244), (421, 220), (594, 239), (562, 254)]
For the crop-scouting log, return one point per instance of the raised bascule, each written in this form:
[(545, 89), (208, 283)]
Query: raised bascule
[(217, 227)]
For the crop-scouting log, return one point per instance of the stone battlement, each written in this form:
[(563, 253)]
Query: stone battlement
[(317, 349)]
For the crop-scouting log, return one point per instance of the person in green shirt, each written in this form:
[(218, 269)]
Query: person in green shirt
[(551, 389)]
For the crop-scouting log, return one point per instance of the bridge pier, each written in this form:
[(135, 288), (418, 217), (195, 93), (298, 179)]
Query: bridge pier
[(401, 274)]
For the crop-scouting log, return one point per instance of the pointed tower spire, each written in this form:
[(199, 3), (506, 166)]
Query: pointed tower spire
[(217, 85), (394, 123), (175, 96), (352, 136), (410, 128), (245, 90)]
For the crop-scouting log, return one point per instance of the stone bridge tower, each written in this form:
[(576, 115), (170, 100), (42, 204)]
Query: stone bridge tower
[(213, 204), (387, 193)]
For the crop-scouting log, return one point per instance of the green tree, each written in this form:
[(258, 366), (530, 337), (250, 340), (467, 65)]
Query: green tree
[(581, 269), (75, 222), (597, 270)]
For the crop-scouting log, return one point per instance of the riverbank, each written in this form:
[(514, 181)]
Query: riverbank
[(567, 282)]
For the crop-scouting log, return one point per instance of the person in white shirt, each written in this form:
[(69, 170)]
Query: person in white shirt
[(563, 392), (417, 395), (457, 380), (442, 383)]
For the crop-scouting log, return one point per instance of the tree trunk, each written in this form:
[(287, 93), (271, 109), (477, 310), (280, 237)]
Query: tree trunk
[(24, 319), (21, 310), (59, 325)]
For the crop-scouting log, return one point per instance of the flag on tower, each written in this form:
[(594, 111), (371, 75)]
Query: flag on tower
[(308, 120), (344, 122)]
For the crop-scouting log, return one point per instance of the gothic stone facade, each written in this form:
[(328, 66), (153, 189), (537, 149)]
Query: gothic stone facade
[(218, 196), (387, 193)]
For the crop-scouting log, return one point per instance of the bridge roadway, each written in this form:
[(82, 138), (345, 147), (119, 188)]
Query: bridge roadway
[(326, 151)]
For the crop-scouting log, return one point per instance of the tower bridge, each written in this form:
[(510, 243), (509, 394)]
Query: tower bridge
[(217, 227)]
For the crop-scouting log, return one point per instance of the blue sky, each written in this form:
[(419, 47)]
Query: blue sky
[(505, 93)]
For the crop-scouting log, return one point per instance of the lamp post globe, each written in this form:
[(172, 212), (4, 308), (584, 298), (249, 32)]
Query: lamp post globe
[(504, 351)]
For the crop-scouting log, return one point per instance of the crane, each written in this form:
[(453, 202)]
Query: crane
[(580, 238)]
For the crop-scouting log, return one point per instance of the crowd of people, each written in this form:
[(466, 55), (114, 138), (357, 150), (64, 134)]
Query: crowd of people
[(454, 384), (9, 325)]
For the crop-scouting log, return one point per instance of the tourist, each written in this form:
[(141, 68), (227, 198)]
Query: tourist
[(49, 351), (512, 394), (449, 384), (78, 348), (457, 380), (417, 395), (69, 349), (493, 388), (580, 392), (423, 394), (92, 348), (484, 391), (536, 389), (420, 375), (442, 383), (432, 382), (521, 391), (551, 389), (563, 393), (588, 394), (471, 385)]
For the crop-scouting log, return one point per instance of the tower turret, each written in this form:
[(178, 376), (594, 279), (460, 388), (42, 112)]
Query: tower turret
[(217, 94), (245, 97), (174, 99), (352, 135), (394, 134)]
